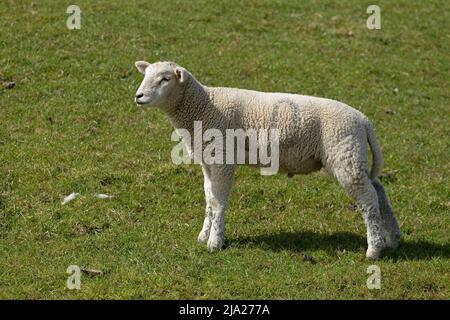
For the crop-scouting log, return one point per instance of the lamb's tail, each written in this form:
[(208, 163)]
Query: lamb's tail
[(377, 158)]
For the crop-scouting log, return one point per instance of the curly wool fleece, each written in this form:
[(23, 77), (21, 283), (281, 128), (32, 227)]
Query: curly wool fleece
[(314, 133)]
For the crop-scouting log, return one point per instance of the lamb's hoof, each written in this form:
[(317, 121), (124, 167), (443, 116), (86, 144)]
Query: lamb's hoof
[(215, 244), (373, 253), (392, 244), (393, 241), (203, 237)]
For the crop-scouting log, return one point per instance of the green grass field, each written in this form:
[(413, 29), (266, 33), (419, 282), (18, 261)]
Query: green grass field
[(70, 125)]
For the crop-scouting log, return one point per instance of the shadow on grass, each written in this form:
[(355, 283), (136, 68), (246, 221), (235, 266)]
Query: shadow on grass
[(306, 240)]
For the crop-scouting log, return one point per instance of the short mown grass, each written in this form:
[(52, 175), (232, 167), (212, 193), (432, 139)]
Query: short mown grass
[(70, 125)]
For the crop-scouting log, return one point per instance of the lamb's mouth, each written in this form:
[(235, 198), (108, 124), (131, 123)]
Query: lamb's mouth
[(140, 102)]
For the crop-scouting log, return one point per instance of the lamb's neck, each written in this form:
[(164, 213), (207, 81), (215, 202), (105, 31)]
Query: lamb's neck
[(192, 107)]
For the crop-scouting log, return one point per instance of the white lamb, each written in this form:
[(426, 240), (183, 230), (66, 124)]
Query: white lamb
[(314, 133)]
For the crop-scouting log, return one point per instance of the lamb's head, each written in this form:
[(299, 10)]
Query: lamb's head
[(163, 84)]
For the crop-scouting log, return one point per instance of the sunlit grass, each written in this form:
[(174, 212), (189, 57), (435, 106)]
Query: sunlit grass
[(70, 125)]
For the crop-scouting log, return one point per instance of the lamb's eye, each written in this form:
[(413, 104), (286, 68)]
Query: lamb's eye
[(164, 80)]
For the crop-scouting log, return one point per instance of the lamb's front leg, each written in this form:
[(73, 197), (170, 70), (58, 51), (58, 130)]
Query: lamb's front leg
[(204, 234), (221, 179)]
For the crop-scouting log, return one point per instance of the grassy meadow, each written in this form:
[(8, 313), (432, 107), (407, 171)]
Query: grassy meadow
[(68, 123)]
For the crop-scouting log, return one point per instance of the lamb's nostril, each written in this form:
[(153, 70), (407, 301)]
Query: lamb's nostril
[(140, 95)]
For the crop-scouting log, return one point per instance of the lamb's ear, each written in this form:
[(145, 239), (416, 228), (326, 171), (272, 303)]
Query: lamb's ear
[(141, 66), (181, 74)]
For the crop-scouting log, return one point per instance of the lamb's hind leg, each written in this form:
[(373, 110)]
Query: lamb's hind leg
[(366, 197), (392, 235), (358, 185)]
